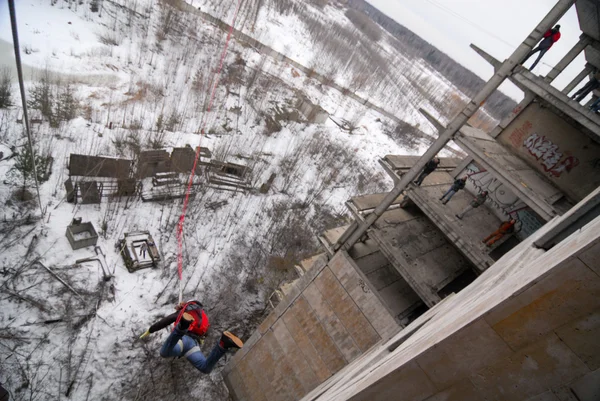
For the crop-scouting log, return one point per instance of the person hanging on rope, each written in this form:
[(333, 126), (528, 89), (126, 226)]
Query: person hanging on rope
[(550, 37), (191, 325)]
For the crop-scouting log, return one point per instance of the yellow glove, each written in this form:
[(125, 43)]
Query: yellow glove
[(146, 334)]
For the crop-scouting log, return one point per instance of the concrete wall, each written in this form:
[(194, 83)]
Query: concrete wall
[(501, 200), (527, 329), (565, 155), (329, 320)]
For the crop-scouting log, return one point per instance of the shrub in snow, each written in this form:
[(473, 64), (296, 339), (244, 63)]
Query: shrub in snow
[(5, 88)]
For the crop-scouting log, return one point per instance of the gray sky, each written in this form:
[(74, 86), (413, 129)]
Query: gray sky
[(496, 26)]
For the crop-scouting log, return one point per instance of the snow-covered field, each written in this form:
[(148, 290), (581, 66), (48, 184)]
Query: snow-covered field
[(69, 331)]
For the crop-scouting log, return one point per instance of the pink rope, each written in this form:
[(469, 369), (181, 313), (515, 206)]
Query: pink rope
[(193, 173)]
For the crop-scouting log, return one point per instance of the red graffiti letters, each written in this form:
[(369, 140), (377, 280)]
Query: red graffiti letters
[(549, 155), (516, 137)]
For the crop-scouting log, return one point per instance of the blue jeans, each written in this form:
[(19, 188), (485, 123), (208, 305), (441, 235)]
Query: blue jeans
[(450, 193), (178, 345), (596, 105)]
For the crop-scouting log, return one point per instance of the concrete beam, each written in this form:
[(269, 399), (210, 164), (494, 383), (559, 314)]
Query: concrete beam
[(463, 165), (561, 101), (434, 121), (487, 57), (584, 41), (493, 61), (577, 80), (584, 212)]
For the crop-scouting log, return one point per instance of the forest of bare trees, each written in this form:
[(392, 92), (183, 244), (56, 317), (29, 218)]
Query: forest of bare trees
[(499, 105)]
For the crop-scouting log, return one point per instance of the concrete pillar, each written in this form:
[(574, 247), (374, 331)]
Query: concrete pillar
[(577, 80), (561, 7), (584, 41)]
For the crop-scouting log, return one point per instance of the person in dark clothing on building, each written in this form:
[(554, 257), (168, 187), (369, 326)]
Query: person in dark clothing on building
[(593, 84), (454, 188), (507, 227), (474, 204), (191, 325), (550, 37), (428, 169), (595, 107)]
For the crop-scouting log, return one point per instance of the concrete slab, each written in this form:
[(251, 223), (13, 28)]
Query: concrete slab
[(409, 383), (454, 359), (587, 388), (545, 396), (461, 391), (466, 234), (583, 337), (530, 371), (522, 320), (591, 257)]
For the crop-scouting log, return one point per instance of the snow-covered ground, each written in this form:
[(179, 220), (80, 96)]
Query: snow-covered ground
[(137, 65)]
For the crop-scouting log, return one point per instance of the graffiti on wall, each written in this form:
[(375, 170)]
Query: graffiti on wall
[(543, 149), (503, 200), (549, 155)]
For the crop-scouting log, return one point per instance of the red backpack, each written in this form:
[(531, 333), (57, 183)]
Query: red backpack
[(200, 324)]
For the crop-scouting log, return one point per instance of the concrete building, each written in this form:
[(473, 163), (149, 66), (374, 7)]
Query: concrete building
[(411, 304)]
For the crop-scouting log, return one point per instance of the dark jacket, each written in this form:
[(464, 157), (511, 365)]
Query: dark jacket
[(430, 166), (458, 184), (479, 200)]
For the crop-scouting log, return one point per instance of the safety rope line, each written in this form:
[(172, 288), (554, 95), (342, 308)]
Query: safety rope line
[(193, 172)]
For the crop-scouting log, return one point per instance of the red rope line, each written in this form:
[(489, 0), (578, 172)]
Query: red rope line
[(204, 123)]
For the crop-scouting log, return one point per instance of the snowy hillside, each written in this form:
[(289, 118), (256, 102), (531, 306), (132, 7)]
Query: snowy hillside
[(140, 75)]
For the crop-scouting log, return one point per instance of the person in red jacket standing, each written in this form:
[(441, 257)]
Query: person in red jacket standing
[(191, 324), (550, 37)]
